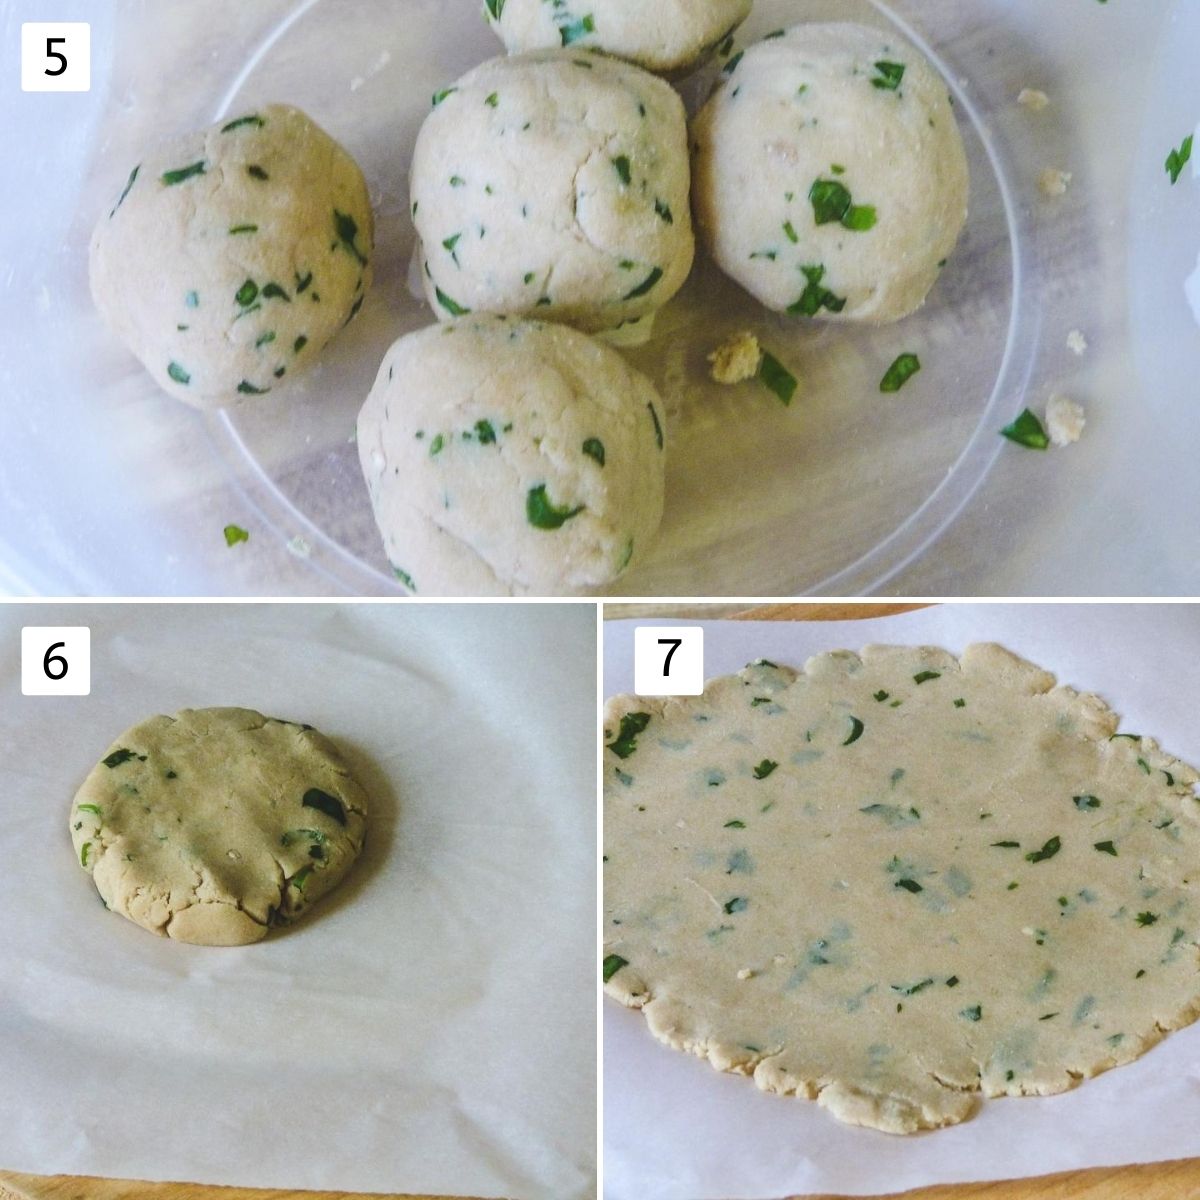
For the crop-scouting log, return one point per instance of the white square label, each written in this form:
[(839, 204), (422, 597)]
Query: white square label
[(56, 56), (668, 661), (56, 661)]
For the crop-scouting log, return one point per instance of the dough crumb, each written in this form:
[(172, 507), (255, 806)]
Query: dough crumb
[(1064, 420), (745, 973), (1077, 343), (1033, 99), (1054, 182), (737, 359), (779, 960)]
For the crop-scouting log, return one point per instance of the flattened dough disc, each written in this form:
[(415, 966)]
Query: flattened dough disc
[(212, 825), (892, 881)]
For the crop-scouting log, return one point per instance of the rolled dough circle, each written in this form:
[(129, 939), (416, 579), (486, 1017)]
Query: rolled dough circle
[(234, 255), (217, 823), (891, 882), (830, 177)]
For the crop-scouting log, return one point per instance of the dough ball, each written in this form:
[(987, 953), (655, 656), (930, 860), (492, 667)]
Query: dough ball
[(554, 184), (668, 36), (215, 824), (507, 457), (233, 256), (830, 176)]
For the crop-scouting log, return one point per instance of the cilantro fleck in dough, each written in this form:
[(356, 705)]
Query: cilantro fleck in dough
[(510, 457), (668, 36), (831, 180), (554, 185), (233, 256), (893, 881), (215, 824)]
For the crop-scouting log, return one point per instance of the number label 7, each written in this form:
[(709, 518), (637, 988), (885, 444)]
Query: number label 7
[(674, 643), (677, 672)]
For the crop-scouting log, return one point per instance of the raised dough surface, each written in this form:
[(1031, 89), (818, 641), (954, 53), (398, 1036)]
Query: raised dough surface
[(212, 825), (663, 35), (554, 185), (471, 422), (234, 255), (891, 881), (805, 123)]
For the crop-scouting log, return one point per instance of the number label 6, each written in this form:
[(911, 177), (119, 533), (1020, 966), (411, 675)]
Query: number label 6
[(53, 664), (56, 661)]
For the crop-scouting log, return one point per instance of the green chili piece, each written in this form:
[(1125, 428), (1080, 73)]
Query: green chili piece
[(1178, 159), (899, 373), (614, 962), (171, 178), (128, 188), (890, 76), (632, 724), (775, 376), (451, 306), (574, 31), (542, 513), (816, 297), (331, 806), (646, 286), (1027, 431), (1049, 850), (253, 119), (347, 232)]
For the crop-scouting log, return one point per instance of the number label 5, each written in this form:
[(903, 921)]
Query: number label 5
[(56, 56), (56, 661), (668, 661)]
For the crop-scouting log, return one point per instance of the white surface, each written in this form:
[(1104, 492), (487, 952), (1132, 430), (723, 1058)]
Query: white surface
[(675, 1129), (117, 490), (428, 1027)]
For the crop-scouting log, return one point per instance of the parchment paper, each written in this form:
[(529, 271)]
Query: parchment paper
[(429, 1027), (675, 1129)]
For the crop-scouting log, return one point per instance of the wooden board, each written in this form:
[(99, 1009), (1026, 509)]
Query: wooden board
[(825, 612), (1178, 1180), (764, 612), (75, 1187)]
